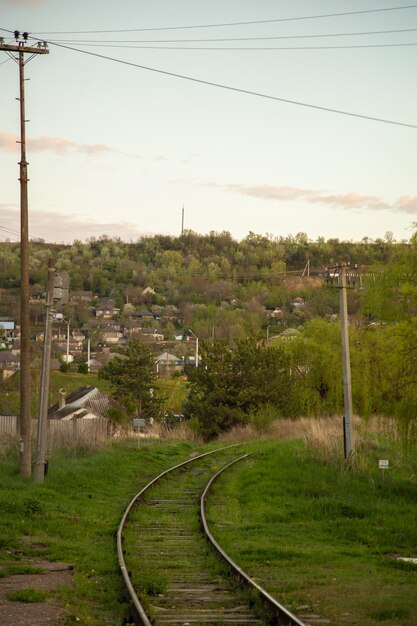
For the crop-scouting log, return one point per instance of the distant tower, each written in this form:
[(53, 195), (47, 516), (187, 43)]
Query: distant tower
[(182, 220)]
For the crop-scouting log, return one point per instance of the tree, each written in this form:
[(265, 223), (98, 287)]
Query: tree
[(233, 384), (133, 379)]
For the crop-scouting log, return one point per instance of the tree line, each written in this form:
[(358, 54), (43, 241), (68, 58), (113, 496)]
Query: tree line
[(214, 279)]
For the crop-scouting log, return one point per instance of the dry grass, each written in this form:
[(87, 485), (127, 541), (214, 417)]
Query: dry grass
[(323, 436), (179, 432), (240, 433)]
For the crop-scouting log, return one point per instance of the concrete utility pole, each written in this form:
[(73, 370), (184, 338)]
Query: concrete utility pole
[(41, 441), (25, 387), (347, 380), (196, 347)]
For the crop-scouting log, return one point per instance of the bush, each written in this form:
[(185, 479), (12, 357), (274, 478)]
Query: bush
[(263, 417)]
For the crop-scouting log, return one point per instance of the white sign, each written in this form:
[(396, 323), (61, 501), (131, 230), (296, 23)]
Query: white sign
[(383, 464)]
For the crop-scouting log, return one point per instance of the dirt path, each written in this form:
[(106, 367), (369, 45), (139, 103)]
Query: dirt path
[(35, 613)]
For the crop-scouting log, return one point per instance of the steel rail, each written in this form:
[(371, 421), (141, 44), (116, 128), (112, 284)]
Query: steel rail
[(139, 611), (282, 615)]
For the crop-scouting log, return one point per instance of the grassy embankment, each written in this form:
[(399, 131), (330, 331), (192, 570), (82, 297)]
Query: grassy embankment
[(321, 539), (318, 537), (74, 516)]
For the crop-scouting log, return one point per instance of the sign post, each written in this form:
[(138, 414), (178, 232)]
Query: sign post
[(383, 465)]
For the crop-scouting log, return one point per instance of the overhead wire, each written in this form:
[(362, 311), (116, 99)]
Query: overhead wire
[(7, 60), (225, 39), (9, 232), (238, 89), (248, 49), (243, 23), (13, 231)]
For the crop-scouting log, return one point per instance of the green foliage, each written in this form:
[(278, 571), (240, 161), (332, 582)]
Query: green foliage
[(18, 569), (321, 538), (234, 384), (28, 595), (263, 417), (78, 513), (133, 380)]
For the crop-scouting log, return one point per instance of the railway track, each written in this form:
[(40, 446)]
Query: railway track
[(171, 571)]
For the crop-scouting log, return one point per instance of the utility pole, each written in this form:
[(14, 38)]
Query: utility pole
[(196, 348), (41, 441), (25, 387), (347, 380), (182, 220)]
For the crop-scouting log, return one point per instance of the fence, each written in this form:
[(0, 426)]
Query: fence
[(71, 433), (8, 425)]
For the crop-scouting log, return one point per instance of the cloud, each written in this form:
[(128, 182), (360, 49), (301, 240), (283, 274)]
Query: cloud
[(408, 204), (26, 3), (60, 227), (349, 201), (9, 143)]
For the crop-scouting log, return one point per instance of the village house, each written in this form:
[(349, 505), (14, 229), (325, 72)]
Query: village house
[(167, 363), (7, 329), (9, 364), (106, 309), (143, 314), (78, 336), (131, 329), (151, 334), (111, 336), (84, 403), (83, 296)]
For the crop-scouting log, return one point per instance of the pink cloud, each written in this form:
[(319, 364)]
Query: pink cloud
[(408, 204), (57, 145), (268, 192), (54, 226), (26, 3), (350, 200), (8, 142)]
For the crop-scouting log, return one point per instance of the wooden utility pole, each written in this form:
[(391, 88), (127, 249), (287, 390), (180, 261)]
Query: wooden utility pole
[(41, 440), (25, 387), (347, 380)]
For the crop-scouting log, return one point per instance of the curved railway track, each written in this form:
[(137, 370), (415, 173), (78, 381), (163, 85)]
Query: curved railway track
[(171, 572)]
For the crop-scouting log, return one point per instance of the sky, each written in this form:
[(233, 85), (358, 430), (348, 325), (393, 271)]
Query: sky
[(118, 149)]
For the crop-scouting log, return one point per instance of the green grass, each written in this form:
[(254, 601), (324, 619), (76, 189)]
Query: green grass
[(28, 595), (313, 535), (175, 391), (318, 537), (73, 517), (20, 568)]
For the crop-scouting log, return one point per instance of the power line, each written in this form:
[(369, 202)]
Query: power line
[(6, 236), (237, 89), (245, 23), (10, 230), (255, 48), (225, 39)]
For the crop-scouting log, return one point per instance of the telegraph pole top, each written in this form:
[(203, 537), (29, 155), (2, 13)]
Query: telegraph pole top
[(39, 49), (20, 45)]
